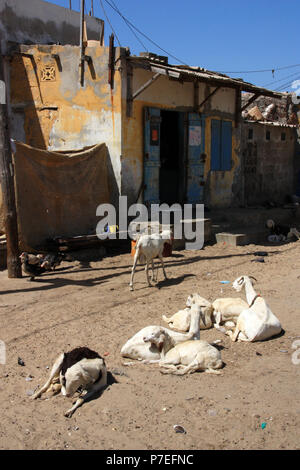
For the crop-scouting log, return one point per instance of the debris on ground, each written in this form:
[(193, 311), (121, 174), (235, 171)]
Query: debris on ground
[(179, 429)]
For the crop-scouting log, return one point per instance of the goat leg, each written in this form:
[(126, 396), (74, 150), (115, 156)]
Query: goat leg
[(163, 266), (218, 318), (133, 269), (147, 274), (86, 395), (53, 375)]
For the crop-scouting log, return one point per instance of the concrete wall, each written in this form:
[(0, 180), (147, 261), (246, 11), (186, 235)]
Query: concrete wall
[(222, 188), (38, 22), (59, 114), (269, 165)]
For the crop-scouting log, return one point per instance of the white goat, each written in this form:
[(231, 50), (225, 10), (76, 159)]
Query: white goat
[(79, 368), (227, 310), (137, 348), (224, 310), (181, 319), (257, 322), (149, 247), (186, 357)]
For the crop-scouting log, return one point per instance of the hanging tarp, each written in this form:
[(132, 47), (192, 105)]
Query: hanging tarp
[(57, 193)]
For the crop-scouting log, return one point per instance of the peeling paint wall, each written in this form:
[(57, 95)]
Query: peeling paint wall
[(50, 110), (223, 188), (220, 187)]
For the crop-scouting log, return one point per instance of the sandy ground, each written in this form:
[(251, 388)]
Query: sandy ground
[(93, 307)]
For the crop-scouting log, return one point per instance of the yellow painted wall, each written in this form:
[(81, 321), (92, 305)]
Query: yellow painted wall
[(60, 114), (166, 94)]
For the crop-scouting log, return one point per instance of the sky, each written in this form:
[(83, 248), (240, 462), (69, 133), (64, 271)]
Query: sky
[(235, 37)]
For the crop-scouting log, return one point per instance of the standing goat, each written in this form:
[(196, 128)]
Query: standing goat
[(257, 322), (149, 247)]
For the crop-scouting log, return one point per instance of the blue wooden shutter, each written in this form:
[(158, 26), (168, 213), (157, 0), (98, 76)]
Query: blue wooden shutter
[(196, 146), (226, 145), (151, 155), (215, 160)]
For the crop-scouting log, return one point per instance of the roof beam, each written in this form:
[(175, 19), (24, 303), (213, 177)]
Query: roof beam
[(209, 96), (253, 98), (145, 86), (238, 99)]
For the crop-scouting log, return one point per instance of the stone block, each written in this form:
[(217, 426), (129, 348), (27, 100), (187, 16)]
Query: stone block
[(233, 239)]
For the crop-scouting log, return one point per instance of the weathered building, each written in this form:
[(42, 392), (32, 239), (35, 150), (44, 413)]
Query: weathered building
[(270, 151), (173, 132)]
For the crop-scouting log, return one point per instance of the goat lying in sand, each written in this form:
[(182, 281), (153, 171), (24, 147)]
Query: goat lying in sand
[(79, 368), (137, 348), (224, 310), (257, 322), (227, 310), (186, 357), (149, 247), (182, 319)]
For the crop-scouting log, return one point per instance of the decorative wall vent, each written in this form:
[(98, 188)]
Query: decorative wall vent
[(48, 74)]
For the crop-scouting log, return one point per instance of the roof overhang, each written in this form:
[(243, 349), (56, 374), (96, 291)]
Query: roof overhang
[(184, 73)]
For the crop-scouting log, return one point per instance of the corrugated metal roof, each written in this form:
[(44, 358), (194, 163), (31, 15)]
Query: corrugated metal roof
[(271, 123), (189, 73)]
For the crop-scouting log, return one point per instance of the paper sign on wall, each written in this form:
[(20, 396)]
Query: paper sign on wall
[(194, 135)]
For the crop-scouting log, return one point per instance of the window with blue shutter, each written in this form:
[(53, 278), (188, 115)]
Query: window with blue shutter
[(221, 145)]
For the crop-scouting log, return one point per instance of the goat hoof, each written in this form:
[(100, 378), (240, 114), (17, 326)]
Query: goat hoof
[(68, 414)]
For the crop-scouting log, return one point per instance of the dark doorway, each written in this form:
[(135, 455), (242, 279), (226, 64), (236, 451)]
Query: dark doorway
[(171, 179)]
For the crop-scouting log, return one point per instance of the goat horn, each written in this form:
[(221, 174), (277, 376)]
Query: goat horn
[(252, 277)]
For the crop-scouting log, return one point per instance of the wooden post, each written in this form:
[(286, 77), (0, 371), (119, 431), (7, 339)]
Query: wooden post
[(7, 184), (237, 118)]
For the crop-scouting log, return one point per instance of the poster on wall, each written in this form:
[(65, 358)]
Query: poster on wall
[(194, 135)]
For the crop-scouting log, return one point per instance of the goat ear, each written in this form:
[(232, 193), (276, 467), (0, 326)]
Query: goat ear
[(241, 280)]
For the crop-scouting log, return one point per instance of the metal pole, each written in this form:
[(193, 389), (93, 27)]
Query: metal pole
[(92, 7), (81, 42), (8, 187), (70, 1)]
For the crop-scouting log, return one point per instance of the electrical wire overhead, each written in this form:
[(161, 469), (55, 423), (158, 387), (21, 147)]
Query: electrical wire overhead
[(281, 79), (109, 23), (131, 29), (265, 70), (144, 35), (287, 84)]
